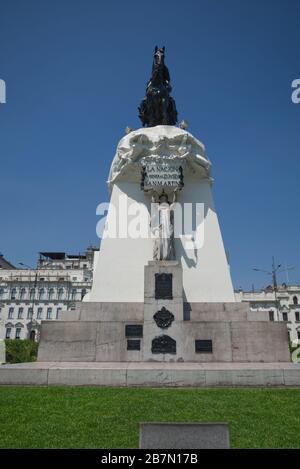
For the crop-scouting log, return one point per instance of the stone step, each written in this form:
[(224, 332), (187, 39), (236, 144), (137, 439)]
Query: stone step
[(151, 374)]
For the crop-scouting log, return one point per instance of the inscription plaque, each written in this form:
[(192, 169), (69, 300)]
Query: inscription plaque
[(133, 330), (163, 287), (161, 174), (133, 344), (203, 346), (163, 344), (163, 318)]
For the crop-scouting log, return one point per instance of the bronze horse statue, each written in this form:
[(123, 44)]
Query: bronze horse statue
[(158, 107)]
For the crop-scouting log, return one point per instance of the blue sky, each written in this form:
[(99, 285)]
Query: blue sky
[(75, 74)]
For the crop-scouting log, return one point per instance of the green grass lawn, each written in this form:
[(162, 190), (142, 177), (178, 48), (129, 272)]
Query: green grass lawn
[(109, 417)]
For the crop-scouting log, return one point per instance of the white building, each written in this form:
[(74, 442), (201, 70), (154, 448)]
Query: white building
[(282, 305), (28, 296)]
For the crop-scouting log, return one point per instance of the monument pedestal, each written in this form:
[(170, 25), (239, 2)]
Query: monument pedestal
[(163, 310), (163, 341), (164, 328)]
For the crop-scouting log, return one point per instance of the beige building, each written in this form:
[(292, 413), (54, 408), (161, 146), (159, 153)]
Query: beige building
[(28, 296), (282, 305)]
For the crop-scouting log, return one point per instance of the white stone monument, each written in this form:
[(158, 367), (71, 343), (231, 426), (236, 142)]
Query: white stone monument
[(162, 290), (118, 275)]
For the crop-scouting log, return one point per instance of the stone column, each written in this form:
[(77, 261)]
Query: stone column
[(163, 311)]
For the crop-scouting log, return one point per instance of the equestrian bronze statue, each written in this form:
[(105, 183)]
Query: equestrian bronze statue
[(158, 107)]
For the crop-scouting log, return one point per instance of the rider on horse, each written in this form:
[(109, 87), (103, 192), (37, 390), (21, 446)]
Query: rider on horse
[(158, 107)]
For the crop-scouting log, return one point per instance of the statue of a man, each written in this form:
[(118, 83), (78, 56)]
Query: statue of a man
[(158, 107), (163, 230)]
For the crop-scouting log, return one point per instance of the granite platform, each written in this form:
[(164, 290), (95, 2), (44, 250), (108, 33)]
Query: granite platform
[(151, 374)]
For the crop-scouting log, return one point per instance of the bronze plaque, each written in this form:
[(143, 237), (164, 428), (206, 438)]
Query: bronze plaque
[(163, 344), (133, 330), (163, 318), (203, 346), (163, 287), (133, 344)]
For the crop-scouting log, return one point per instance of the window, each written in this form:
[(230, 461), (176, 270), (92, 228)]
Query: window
[(51, 294), (58, 312), (285, 316), (10, 313), (298, 334), (29, 313), (13, 294), (18, 332), (49, 313), (74, 279), (271, 315), (22, 294), (295, 300), (39, 313), (42, 294), (73, 294), (8, 333), (1, 293), (61, 294), (297, 316), (32, 294), (83, 293), (20, 313)]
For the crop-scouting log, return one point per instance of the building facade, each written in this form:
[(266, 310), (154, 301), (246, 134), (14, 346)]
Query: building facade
[(28, 296), (281, 305)]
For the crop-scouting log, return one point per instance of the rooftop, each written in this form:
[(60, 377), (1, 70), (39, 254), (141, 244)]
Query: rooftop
[(5, 264)]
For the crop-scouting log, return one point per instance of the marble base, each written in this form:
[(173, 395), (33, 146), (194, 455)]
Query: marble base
[(96, 333), (163, 328), (151, 374)]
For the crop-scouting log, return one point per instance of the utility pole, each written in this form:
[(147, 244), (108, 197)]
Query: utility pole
[(275, 270)]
